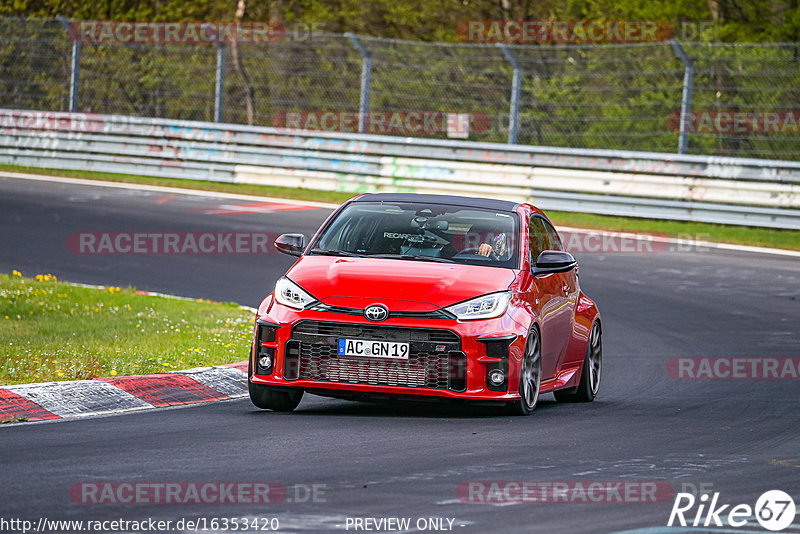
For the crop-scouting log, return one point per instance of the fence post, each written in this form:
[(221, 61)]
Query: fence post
[(219, 87), (366, 76), (686, 98), (75, 66), (516, 88)]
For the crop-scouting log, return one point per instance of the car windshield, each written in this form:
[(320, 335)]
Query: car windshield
[(423, 232)]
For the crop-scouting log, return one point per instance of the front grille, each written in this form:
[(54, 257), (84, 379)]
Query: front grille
[(314, 357), (436, 314), (368, 331)]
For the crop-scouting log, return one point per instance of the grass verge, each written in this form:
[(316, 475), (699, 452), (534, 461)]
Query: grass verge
[(691, 231), (52, 330)]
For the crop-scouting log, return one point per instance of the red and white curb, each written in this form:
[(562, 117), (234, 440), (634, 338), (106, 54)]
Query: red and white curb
[(120, 394)]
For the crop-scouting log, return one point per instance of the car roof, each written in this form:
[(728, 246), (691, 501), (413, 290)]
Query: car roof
[(450, 200)]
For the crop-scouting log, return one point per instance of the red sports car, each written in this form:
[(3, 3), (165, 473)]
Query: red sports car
[(427, 297)]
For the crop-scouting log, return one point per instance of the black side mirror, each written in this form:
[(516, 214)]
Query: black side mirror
[(554, 261), (291, 244)]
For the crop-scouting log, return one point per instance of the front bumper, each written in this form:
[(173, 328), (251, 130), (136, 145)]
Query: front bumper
[(448, 358)]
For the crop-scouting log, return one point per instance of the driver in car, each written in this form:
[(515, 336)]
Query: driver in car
[(497, 246)]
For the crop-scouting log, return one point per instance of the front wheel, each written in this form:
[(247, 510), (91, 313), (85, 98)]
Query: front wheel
[(530, 377), (590, 374), (275, 399), (271, 398)]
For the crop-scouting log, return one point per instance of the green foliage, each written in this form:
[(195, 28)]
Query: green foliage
[(436, 20)]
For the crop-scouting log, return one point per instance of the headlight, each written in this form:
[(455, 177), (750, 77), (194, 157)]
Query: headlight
[(290, 294), (485, 307)]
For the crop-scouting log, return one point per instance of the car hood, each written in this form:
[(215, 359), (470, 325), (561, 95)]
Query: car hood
[(401, 285)]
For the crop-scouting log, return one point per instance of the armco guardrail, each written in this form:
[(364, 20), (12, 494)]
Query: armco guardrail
[(711, 189)]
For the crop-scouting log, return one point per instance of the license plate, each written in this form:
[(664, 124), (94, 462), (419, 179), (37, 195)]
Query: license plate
[(373, 349)]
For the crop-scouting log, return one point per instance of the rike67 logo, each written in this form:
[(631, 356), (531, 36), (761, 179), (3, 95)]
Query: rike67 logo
[(774, 510)]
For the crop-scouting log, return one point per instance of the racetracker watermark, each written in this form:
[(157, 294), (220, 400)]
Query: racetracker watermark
[(564, 31), (171, 243), (584, 491), (397, 122), (128, 32), (578, 241), (149, 524), (115, 493), (12, 121), (736, 121), (33, 122), (734, 368)]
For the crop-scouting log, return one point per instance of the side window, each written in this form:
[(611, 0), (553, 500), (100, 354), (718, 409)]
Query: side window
[(537, 237), (554, 240)]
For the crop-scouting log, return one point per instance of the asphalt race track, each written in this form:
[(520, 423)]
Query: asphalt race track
[(736, 437)]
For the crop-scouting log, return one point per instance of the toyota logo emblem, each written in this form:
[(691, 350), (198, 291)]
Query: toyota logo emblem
[(376, 313)]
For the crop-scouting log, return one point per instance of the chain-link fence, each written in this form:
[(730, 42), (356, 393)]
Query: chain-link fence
[(744, 99)]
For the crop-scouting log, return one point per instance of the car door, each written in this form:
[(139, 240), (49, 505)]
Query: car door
[(570, 288), (556, 305)]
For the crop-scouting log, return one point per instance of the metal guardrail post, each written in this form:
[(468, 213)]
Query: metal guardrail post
[(686, 98), (219, 87), (516, 88), (75, 65), (74, 75), (366, 77)]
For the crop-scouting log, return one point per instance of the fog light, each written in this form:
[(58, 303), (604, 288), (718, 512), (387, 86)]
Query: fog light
[(265, 362), (497, 377)]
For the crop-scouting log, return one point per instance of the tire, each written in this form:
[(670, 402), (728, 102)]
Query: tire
[(272, 398), (590, 374), (530, 377)]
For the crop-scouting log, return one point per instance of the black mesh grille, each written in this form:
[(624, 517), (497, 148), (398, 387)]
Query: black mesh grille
[(435, 359)]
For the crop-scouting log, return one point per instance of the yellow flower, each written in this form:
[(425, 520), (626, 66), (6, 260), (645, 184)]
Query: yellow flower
[(16, 273), (113, 372), (60, 372)]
